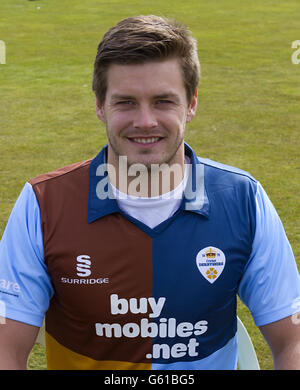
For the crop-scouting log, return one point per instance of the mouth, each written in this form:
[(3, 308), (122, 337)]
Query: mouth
[(145, 141)]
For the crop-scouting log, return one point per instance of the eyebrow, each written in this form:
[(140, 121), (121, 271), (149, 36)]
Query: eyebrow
[(165, 95), (122, 97)]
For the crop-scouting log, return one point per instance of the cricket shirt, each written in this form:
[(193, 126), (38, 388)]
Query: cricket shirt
[(118, 294)]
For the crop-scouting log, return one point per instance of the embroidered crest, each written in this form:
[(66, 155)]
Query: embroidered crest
[(210, 262)]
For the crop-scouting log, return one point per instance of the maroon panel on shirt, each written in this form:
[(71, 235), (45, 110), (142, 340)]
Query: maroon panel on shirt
[(92, 266)]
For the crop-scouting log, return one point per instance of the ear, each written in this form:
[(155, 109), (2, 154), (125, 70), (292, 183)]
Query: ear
[(192, 107), (100, 111)]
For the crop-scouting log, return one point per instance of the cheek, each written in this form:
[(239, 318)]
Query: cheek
[(173, 117), (117, 121), (176, 121)]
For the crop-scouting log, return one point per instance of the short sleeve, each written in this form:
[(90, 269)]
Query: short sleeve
[(270, 285), (25, 286)]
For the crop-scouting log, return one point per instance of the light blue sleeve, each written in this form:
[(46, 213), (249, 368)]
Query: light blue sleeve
[(270, 286), (25, 286)]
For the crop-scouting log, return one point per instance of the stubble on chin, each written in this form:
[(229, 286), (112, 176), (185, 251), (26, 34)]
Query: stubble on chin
[(143, 157)]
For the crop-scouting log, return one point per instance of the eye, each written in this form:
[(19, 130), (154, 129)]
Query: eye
[(125, 102), (164, 102), (124, 105)]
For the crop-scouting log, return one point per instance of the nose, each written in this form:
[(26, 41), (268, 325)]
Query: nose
[(145, 118)]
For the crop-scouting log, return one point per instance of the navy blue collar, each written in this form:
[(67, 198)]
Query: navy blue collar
[(102, 201)]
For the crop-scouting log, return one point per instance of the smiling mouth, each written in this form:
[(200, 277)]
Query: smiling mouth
[(145, 140)]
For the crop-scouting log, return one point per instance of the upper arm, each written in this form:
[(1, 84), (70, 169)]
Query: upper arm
[(270, 285), (25, 285), (283, 337), (16, 342)]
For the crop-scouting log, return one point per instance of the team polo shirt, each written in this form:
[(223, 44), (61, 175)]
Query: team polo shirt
[(118, 294)]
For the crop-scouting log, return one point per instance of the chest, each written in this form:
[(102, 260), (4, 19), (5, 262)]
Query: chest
[(113, 267)]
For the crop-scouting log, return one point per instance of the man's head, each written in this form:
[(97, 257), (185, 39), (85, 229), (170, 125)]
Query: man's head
[(145, 80), (140, 39)]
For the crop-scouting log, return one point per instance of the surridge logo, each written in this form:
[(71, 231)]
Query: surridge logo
[(83, 268), (83, 265)]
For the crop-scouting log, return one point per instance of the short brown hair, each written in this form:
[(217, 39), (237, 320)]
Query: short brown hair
[(139, 39)]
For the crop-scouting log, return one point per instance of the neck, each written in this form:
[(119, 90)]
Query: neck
[(142, 181)]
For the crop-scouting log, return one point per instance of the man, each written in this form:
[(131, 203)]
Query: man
[(136, 256)]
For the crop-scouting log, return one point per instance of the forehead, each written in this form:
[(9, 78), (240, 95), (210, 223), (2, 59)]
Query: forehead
[(146, 79)]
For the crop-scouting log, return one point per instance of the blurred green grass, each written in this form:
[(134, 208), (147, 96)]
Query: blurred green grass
[(249, 95)]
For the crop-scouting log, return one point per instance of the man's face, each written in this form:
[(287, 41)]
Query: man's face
[(145, 112)]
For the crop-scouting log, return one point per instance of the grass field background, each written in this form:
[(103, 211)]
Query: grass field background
[(249, 96)]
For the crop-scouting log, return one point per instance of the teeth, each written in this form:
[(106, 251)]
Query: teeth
[(145, 140)]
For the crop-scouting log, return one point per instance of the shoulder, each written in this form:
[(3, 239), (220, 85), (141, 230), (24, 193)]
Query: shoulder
[(220, 177), (215, 168), (63, 173), (62, 184)]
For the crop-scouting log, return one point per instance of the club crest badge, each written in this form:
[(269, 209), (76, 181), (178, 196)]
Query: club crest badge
[(210, 262)]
